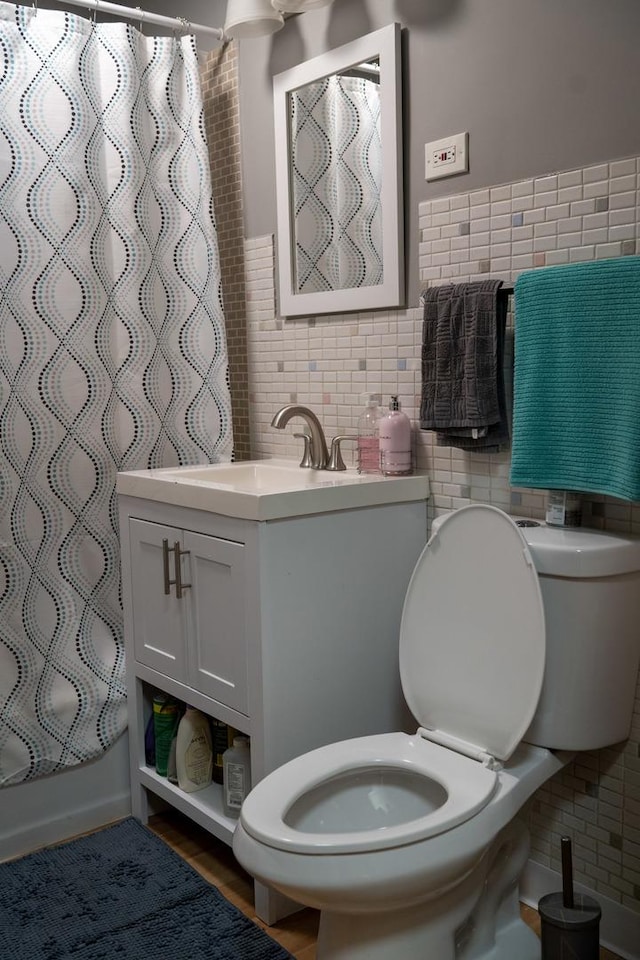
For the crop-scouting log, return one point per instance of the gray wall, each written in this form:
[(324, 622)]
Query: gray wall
[(541, 86)]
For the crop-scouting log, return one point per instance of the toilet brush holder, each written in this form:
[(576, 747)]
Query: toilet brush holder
[(570, 923)]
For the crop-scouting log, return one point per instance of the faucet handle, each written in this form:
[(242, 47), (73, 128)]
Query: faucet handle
[(335, 461), (307, 457)]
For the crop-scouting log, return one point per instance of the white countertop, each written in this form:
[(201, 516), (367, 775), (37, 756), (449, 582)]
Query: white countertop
[(269, 489)]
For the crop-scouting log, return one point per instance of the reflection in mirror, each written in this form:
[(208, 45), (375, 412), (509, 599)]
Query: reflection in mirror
[(338, 178)]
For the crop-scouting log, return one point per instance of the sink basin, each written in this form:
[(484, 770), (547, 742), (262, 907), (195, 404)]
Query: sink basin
[(260, 476), (268, 489)]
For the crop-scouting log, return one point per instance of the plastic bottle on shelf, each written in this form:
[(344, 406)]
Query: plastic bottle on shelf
[(369, 436), (166, 714), (237, 775), (172, 769), (150, 743), (396, 454), (194, 751), (220, 738)]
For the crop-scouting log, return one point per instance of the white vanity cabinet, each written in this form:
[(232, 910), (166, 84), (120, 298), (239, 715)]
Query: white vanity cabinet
[(187, 598), (286, 629)]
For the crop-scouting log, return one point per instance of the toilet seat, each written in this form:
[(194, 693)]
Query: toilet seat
[(468, 786), (472, 637)]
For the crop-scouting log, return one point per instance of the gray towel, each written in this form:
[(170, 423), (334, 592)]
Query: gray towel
[(463, 396)]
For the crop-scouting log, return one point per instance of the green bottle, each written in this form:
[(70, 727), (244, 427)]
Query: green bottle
[(166, 716)]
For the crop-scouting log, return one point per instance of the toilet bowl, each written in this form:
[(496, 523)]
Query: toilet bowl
[(383, 791), (408, 844), (321, 821)]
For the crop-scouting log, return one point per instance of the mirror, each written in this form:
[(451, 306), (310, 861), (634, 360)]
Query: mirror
[(338, 130)]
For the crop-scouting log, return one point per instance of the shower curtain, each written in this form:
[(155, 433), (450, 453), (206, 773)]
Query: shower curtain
[(112, 352), (337, 182)]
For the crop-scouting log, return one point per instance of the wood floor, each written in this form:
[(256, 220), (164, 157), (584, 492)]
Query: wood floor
[(215, 861)]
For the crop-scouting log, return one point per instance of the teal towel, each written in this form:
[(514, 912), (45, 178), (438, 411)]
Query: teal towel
[(576, 420)]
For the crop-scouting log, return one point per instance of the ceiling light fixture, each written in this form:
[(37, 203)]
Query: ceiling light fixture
[(299, 6), (251, 18)]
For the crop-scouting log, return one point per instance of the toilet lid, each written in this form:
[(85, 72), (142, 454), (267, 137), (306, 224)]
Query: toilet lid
[(472, 639)]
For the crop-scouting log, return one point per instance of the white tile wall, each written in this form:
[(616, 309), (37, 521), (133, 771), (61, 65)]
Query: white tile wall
[(328, 362)]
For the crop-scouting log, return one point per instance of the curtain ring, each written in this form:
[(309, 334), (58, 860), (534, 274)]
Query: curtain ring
[(141, 14), (186, 25), (94, 12), (35, 7)]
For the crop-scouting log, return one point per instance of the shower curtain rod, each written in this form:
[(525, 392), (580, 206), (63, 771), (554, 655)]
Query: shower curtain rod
[(144, 16)]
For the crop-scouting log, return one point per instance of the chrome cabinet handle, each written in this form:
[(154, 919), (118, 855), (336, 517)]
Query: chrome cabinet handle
[(165, 567), (177, 555), (180, 586)]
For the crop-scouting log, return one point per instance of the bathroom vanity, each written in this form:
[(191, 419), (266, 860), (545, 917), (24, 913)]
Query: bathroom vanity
[(270, 598)]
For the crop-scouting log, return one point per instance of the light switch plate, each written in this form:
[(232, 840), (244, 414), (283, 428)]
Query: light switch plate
[(443, 158)]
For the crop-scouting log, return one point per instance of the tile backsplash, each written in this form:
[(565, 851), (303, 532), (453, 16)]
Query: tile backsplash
[(329, 362), (219, 80)]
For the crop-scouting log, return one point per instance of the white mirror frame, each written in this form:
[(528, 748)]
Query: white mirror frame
[(384, 44)]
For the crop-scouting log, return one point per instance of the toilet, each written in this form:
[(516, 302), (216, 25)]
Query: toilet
[(519, 645)]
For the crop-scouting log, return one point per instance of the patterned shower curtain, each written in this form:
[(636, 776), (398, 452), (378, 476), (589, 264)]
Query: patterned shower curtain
[(337, 182), (112, 352)]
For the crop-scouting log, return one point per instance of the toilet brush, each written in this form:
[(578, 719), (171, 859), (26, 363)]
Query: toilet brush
[(567, 872), (570, 923)]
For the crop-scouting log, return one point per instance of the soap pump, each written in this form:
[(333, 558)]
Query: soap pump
[(396, 457)]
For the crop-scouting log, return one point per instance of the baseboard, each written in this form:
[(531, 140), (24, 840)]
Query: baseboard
[(619, 927), (43, 833)]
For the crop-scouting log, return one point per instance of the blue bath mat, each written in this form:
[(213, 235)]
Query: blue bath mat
[(120, 894)]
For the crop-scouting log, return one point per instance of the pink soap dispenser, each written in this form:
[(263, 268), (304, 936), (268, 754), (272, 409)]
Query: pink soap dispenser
[(396, 457)]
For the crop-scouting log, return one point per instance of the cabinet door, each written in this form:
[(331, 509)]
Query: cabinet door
[(217, 641), (158, 617)]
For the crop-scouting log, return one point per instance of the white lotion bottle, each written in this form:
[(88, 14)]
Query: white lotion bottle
[(194, 751), (396, 458), (236, 772)]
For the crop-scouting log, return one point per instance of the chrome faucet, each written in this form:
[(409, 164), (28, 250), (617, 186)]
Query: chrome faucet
[(319, 455)]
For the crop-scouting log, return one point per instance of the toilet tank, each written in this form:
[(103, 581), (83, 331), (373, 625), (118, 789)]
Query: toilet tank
[(590, 582)]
